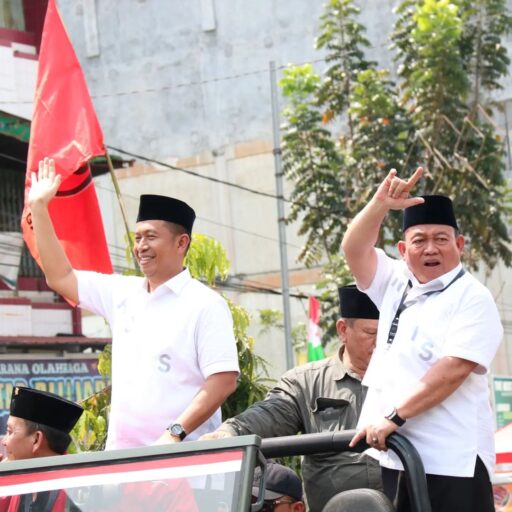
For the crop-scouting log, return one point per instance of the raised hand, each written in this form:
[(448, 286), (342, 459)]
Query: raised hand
[(394, 192), (45, 183)]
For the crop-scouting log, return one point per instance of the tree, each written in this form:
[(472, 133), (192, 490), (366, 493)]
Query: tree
[(344, 131), (207, 260), (451, 59)]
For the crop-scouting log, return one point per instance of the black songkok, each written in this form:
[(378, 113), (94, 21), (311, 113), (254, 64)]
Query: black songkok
[(44, 408), (356, 304), (154, 207), (435, 210)]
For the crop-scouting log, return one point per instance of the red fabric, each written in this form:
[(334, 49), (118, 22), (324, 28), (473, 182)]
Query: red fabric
[(314, 310), (65, 128), (14, 502), (503, 444), (170, 495)]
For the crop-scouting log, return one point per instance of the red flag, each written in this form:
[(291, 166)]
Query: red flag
[(64, 127)]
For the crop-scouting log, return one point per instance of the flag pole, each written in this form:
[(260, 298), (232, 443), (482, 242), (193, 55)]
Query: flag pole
[(119, 199)]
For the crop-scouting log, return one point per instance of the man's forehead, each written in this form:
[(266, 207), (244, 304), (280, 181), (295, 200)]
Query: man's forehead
[(424, 229), (14, 421), (146, 226), (366, 323)]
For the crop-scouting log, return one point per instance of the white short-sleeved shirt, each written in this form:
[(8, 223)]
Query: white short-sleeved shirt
[(164, 346), (461, 321)]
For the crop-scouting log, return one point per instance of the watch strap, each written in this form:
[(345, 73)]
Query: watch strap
[(395, 418)]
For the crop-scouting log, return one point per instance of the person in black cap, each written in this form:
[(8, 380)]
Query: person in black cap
[(322, 396), (39, 424), (174, 357), (439, 330), (283, 489)]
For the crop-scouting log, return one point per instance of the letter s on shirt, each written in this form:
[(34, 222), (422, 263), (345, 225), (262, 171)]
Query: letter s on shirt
[(165, 363)]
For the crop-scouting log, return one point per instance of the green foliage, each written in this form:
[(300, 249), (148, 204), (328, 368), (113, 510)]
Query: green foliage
[(207, 260), (447, 65), (270, 318), (273, 318), (89, 434), (450, 56), (342, 38), (311, 160), (383, 138), (252, 382)]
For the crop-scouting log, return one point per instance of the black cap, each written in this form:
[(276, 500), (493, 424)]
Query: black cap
[(280, 481), (44, 408), (154, 207), (356, 304), (435, 210)]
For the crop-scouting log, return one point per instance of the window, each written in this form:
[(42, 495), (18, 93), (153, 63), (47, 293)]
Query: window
[(11, 14)]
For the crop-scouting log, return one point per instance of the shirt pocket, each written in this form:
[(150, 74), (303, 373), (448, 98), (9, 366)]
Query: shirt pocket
[(332, 414)]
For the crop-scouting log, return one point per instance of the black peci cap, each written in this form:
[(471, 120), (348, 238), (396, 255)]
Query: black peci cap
[(155, 207), (356, 304), (45, 408), (279, 481), (435, 210)]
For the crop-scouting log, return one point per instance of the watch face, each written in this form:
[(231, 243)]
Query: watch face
[(176, 430)]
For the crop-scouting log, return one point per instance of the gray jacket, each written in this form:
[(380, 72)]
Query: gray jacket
[(323, 396)]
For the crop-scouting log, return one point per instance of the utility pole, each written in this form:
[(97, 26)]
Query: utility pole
[(290, 359)]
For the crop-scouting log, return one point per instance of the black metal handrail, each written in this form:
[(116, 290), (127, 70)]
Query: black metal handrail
[(325, 442)]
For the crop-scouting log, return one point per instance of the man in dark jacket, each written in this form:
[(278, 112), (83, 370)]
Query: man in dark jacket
[(322, 396)]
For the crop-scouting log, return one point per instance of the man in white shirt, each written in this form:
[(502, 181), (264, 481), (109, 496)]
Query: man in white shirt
[(439, 330), (174, 358)]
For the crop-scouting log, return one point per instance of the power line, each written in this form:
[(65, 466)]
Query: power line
[(197, 175), (209, 221), (176, 86), (329, 211)]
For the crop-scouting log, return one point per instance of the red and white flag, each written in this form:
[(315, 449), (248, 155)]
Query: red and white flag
[(64, 127)]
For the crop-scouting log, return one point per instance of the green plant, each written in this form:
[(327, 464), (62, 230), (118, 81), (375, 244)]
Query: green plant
[(89, 434), (345, 130)]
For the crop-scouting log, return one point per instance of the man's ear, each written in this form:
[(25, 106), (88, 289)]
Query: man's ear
[(341, 329), (184, 241), (38, 441), (401, 247), (299, 506), (460, 243)]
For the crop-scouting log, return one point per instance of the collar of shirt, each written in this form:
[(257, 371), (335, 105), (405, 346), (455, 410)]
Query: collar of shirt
[(436, 284), (176, 283), (340, 370)]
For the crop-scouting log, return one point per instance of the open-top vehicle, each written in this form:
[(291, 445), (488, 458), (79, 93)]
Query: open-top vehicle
[(205, 476)]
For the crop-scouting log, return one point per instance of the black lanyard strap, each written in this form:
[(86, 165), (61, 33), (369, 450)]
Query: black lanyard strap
[(401, 307)]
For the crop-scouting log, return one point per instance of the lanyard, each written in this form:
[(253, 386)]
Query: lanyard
[(401, 307)]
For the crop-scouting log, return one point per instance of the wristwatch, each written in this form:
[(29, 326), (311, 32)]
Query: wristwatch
[(395, 417), (176, 430)]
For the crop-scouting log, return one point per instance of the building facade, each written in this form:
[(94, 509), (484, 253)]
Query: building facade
[(185, 86)]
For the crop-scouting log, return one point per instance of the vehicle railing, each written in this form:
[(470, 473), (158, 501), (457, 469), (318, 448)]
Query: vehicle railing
[(325, 442)]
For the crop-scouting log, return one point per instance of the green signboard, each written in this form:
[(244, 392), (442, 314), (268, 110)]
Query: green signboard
[(502, 399), (14, 127)]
